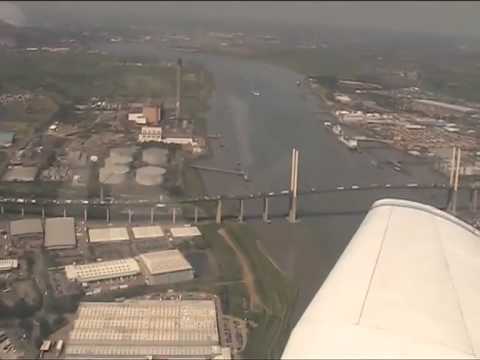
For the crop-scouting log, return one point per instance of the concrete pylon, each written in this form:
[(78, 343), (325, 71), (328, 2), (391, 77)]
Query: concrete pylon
[(85, 214), (129, 216), (152, 215), (64, 211), (43, 212), (195, 215), (265, 209), (242, 210), (474, 199), (455, 185), (293, 187), (218, 217), (108, 214), (2, 210), (174, 215), (23, 211)]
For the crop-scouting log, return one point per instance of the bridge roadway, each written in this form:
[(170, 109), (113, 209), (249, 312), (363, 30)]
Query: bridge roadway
[(261, 195)]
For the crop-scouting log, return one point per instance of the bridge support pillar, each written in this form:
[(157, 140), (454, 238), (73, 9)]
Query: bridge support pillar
[(101, 194), (218, 218), (130, 216), (152, 215), (23, 211), (292, 214), (474, 200), (2, 210), (64, 211), (85, 215), (195, 215), (174, 215), (242, 209), (265, 209), (43, 212), (107, 211)]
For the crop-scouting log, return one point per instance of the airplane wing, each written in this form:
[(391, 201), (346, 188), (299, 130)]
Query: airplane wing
[(406, 286)]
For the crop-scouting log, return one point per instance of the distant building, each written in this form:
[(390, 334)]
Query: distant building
[(102, 270), (147, 232), (60, 233), (152, 114), (150, 134), (436, 108), (8, 264), (21, 173), (178, 136), (138, 118), (26, 228), (165, 267), (185, 232), (6, 139), (108, 234)]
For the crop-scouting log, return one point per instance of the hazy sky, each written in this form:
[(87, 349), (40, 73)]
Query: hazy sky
[(454, 17)]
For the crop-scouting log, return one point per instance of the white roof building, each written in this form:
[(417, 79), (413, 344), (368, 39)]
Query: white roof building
[(139, 118), (147, 232), (142, 328), (406, 286), (150, 133), (60, 233), (8, 264), (185, 231), (102, 270), (166, 261), (26, 226), (108, 234)]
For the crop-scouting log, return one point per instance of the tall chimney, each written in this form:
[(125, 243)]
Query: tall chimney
[(179, 88)]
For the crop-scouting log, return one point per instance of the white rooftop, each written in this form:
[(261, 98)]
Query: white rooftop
[(60, 232), (185, 231), (26, 226), (160, 262), (8, 264), (406, 286), (145, 327), (108, 234), (147, 232), (102, 270)]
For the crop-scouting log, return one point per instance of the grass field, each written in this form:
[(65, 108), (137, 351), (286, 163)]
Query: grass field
[(275, 292)]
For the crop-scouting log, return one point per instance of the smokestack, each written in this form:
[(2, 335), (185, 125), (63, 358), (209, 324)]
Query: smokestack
[(292, 171), (179, 88)]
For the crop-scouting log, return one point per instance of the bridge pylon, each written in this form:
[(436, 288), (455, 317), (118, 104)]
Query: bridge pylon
[(292, 214)]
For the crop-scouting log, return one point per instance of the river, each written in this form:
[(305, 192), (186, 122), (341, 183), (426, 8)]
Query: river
[(260, 131)]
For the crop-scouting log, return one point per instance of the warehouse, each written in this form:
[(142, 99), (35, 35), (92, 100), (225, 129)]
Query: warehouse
[(21, 173), (26, 227), (8, 264), (159, 329), (60, 233), (185, 232), (108, 234), (165, 267), (147, 232), (103, 270)]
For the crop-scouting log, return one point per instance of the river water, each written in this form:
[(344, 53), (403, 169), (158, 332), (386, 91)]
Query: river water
[(260, 131)]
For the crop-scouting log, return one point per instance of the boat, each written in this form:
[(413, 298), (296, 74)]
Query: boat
[(352, 144), (255, 92), (327, 124), (337, 130), (299, 83)]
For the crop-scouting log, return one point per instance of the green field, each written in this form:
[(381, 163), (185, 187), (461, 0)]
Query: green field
[(274, 290)]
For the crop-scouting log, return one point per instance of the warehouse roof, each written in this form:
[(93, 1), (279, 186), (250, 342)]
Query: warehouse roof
[(102, 270), (148, 327), (8, 264), (446, 105), (160, 262), (145, 232), (20, 173), (108, 234), (405, 287), (60, 232), (185, 231), (26, 226)]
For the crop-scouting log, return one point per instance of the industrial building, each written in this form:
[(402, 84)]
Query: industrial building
[(165, 267), (436, 108), (60, 233), (139, 118), (185, 232), (26, 228), (8, 264), (102, 270), (21, 173), (145, 329), (108, 234), (153, 114), (150, 133), (147, 232)]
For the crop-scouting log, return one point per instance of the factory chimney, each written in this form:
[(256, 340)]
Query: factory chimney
[(179, 88)]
